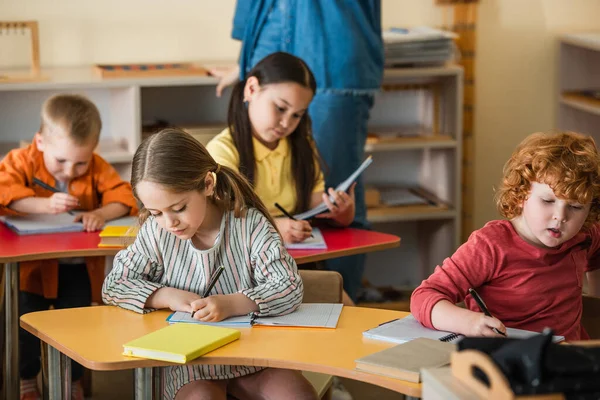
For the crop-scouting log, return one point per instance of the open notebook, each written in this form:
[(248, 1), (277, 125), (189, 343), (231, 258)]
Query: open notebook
[(408, 328), (342, 187), (317, 241), (313, 315)]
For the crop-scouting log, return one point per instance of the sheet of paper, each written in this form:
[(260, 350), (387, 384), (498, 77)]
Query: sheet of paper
[(315, 242)]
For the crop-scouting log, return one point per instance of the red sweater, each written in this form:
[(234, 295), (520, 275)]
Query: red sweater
[(524, 286)]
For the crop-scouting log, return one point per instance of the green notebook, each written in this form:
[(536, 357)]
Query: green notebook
[(180, 343)]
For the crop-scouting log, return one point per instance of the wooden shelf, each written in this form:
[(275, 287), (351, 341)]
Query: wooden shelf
[(409, 213), (581, 102), (410, 143), (589, 41)]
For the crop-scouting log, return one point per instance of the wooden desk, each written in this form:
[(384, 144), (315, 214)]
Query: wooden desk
[(94, 337), (15, 248)]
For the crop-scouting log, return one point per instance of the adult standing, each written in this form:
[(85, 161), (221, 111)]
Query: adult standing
[(341, 42)]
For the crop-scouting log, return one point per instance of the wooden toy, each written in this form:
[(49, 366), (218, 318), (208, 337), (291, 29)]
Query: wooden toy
[(149, 70)]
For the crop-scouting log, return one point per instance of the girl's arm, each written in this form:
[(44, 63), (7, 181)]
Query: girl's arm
[(136, 272), (279, 288)]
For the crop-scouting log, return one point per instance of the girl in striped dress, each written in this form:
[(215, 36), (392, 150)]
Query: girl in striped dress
[(197, 216)]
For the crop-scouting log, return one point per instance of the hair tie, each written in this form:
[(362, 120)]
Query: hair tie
[(218, 168)]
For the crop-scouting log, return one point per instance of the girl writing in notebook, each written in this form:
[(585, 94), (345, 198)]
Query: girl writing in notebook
[(269, 141), (529, 268), (197, 216)]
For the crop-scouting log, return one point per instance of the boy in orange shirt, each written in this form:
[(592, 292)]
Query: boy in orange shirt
[(61, 155)]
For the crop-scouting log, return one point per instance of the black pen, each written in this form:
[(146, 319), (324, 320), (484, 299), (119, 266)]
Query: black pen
[(211, 283), (287, 214), (483, 308), (50, 188)]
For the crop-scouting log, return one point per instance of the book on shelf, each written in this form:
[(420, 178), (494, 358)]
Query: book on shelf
[(180, 343), (405, 360), (408, 328), (313, 315)]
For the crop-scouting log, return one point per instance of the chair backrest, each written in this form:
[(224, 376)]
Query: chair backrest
[(590, 318), (322, 286)]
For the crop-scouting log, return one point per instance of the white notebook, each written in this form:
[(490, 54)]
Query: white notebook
[(313, 315), (315, 242), (32, 224), (408, 328), (342, 187)]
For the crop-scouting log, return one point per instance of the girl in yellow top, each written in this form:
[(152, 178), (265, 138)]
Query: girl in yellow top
[(269, 141)]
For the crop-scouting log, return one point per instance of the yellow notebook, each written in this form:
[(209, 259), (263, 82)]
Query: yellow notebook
[(117, 236), (180, 343)]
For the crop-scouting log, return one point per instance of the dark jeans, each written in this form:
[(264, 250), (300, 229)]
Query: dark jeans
[(340, 130), (73, 291)]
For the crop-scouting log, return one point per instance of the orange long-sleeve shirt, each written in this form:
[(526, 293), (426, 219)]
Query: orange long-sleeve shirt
[(99, 186)]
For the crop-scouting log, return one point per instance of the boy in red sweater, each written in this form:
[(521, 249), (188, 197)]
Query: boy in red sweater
[(529, 268)]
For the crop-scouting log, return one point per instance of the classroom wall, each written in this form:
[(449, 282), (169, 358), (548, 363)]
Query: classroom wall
[(515, 53), (515, 83)]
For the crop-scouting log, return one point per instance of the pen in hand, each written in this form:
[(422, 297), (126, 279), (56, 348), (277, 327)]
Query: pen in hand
[(213, 280), (287, 214), (483, 308), (50, 188)]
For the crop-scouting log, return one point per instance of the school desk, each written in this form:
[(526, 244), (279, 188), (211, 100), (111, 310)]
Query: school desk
[(15, 248), (94, 337)]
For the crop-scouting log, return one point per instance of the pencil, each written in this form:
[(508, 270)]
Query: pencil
[(213, 280), (50, 188), (287, 214)]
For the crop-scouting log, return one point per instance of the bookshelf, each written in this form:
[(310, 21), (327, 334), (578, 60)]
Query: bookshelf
[(425, 104), (416, 142), (578, 88)]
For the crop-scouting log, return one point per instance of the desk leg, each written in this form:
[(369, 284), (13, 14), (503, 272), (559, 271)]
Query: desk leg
[(11, 365), (59, 375), (144, 383)]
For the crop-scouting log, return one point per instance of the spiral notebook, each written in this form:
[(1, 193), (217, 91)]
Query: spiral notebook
[(408, 328)]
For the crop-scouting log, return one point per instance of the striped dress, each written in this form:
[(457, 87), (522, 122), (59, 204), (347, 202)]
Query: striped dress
[(256, 264)]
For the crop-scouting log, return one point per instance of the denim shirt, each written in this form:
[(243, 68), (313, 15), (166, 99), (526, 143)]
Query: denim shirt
[(340, 40)]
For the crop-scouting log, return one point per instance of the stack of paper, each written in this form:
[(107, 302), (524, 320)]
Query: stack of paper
[(419, 45)]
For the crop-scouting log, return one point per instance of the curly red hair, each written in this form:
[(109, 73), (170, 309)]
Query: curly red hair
[(568, 162)]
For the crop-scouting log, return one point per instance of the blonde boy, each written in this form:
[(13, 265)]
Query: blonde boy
[(62, 156)]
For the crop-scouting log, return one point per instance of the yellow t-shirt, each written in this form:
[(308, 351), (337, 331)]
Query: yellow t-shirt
[(273, 177)]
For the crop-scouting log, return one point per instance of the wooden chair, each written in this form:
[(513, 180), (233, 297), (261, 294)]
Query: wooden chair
[(321, 287), (590, 319)]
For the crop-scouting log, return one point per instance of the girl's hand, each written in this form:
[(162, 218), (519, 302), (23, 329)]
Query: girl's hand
[(227, 77), (293, 231), (180, 300), (343, 210), (61, 202), (212, 308), (481, 325), (91, 221)]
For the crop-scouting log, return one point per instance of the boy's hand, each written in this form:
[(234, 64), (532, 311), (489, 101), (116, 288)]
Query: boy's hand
[(61, 202), (293, 231), (91, 221), (343, 210), (212, 308), (481, 325)]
